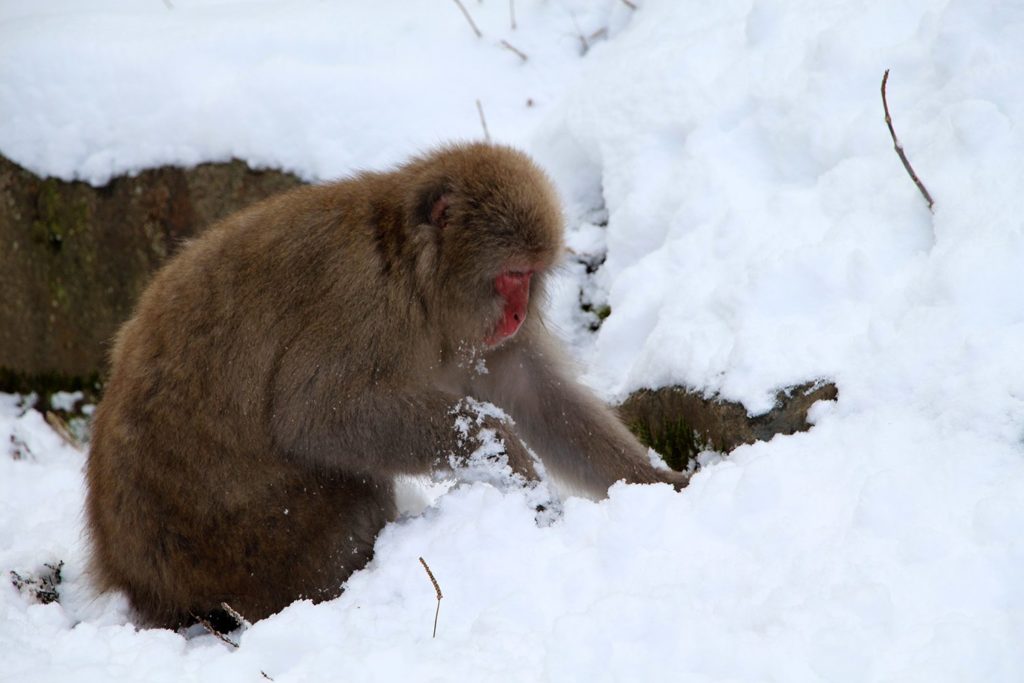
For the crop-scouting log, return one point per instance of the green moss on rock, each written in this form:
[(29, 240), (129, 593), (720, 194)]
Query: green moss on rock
[(674, 440), (74, 258)]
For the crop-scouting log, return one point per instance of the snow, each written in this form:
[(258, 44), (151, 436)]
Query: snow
[(314, 87), (732, 162)]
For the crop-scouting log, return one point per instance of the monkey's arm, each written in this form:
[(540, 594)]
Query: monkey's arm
[(578, 438), (387, 432)]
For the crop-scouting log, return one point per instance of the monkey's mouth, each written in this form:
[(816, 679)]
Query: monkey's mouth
[(514, 288)]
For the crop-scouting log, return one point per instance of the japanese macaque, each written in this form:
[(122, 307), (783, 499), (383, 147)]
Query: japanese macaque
[(284, 367)]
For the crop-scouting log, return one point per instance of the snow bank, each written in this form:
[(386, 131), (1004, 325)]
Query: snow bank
[(760, 232), (317, 88)]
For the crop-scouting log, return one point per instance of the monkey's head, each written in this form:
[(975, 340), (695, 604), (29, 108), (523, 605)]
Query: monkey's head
[(488, 230)]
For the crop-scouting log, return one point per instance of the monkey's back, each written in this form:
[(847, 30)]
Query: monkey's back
[(190, 502)]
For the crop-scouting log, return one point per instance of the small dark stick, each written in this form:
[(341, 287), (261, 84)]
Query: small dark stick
[(242, 621), (584, 45), (899, 147), (512, 13), (437, 589), (483, 121), (465, 13), (629, 3), (508, 46), (209, 627)]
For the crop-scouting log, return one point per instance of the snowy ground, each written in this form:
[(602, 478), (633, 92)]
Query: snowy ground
[(760, 232)]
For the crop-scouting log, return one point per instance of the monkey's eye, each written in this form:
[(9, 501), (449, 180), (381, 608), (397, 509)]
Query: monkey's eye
[(439, 212)]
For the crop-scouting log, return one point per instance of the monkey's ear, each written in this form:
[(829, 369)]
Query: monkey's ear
[(439, 211)]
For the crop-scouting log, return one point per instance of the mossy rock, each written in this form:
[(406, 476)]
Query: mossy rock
[(74, 258), (680, 422)]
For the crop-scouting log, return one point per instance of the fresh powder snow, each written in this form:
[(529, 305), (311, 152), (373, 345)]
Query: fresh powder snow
[(731, 165)]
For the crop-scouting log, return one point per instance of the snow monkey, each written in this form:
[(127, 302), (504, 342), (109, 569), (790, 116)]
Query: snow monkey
[(285, 366)]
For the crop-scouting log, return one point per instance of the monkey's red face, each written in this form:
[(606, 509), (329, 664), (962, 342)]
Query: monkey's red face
[(514, 288)]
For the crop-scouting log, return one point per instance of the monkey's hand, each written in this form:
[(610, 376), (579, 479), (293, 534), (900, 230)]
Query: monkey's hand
[(662, 474), (677, 479), (488, 448)]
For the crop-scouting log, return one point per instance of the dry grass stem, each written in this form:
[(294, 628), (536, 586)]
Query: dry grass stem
[(437, 589), (209, 627), (472, 24), (512, 13), (629, 3), (242, 621), (899, 148), (508, 46), (63, 431), (483, 121), (584, 45)]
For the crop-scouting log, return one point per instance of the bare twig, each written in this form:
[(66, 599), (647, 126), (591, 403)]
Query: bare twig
[(242, 621), (586, 42), (512, 13), (899, 148), (508, 46), (209, 627), (483, 121), (63, 431), (465, 13), (584, 45), (437, 589), (264, 674), (629, 4), (19, 449)]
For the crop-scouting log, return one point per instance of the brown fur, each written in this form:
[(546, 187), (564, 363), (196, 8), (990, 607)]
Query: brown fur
[(285, 366)]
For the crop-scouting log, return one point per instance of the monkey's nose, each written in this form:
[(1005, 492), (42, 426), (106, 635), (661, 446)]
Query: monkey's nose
[(514, 288)]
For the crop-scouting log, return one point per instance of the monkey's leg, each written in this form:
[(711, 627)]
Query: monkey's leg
[(303, 541)]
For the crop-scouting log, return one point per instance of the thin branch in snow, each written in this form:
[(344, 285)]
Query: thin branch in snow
[(19, 450), (585, 41), (209, 627), (899, 148), (512, 13), (508, 46), (63, 431), (584, 45), (483, 121), (465, 13), (242, 621), (629, 3), (437, 589)]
